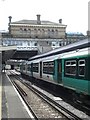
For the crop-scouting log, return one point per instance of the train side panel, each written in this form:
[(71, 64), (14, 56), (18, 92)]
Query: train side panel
[(28, 69), (48, 70), (75, 74)]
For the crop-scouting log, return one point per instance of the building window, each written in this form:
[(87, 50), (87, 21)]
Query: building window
[(28, 43), (36, 36), (21, 29), (53, 44), (52, 30), (25, 29), (8, 42), (13, 42), (19, 43), (60, 44), (35, 30), (35, 44), (43, 30), (29, 30)]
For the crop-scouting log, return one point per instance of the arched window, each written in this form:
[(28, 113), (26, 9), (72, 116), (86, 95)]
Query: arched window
[(35, 30), (35, 44), (29, 30), (21, 29), (43, 30), (36, 36), (25, 29), (52, 30)]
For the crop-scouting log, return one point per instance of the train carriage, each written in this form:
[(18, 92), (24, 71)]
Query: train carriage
[(76, 74), (23, 68), (35, 69), (29, 73), (67, 67), (48, 68)]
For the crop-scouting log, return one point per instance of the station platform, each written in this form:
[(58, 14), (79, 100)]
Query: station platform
[(11, 104)]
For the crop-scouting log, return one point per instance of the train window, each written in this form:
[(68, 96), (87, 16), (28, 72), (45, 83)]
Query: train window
[(29, 67), (45, 67), (48, 67), (35, 67), (70, 67), (81, 68), (51, 67), (24, 67)]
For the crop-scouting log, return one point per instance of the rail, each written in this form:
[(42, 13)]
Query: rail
[(69, 115)]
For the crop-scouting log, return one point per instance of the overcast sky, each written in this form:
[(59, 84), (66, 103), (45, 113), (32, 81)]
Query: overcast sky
[(74, 13)]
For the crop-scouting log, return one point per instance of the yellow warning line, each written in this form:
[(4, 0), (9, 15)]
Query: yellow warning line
[(0, 96)]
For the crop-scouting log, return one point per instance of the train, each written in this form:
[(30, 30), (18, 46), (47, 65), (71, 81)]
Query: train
[(67, 66)]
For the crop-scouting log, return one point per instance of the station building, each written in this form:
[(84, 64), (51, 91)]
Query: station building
[(37, 29), (35, 34)]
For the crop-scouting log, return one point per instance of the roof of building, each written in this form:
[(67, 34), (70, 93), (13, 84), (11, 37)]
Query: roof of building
[(31, 22)]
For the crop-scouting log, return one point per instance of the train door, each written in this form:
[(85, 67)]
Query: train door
[(58, 71), (40, 69)]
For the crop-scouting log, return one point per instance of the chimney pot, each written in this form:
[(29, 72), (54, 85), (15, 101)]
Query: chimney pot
[(38, 19), (9, 28), (60, 20), (10, 17)]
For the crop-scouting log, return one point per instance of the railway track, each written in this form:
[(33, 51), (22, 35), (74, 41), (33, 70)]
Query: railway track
[(39, 104)]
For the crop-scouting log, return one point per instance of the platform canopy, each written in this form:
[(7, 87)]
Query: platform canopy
[(6, 52)]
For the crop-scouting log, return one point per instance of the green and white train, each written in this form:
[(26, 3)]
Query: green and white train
[(68, 66)]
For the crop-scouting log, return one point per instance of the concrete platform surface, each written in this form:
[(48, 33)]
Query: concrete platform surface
[(12, 105)]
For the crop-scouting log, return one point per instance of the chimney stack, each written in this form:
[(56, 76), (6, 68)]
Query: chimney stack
[(10, 17), (9, 28), (60, 20), (38, 19)]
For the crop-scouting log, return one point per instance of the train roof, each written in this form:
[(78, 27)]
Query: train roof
[(71, 47), (82, 52)]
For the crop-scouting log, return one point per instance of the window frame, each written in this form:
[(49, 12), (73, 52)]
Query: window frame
[(81, 66), (36, 67), (48, 67), (71, 66)]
